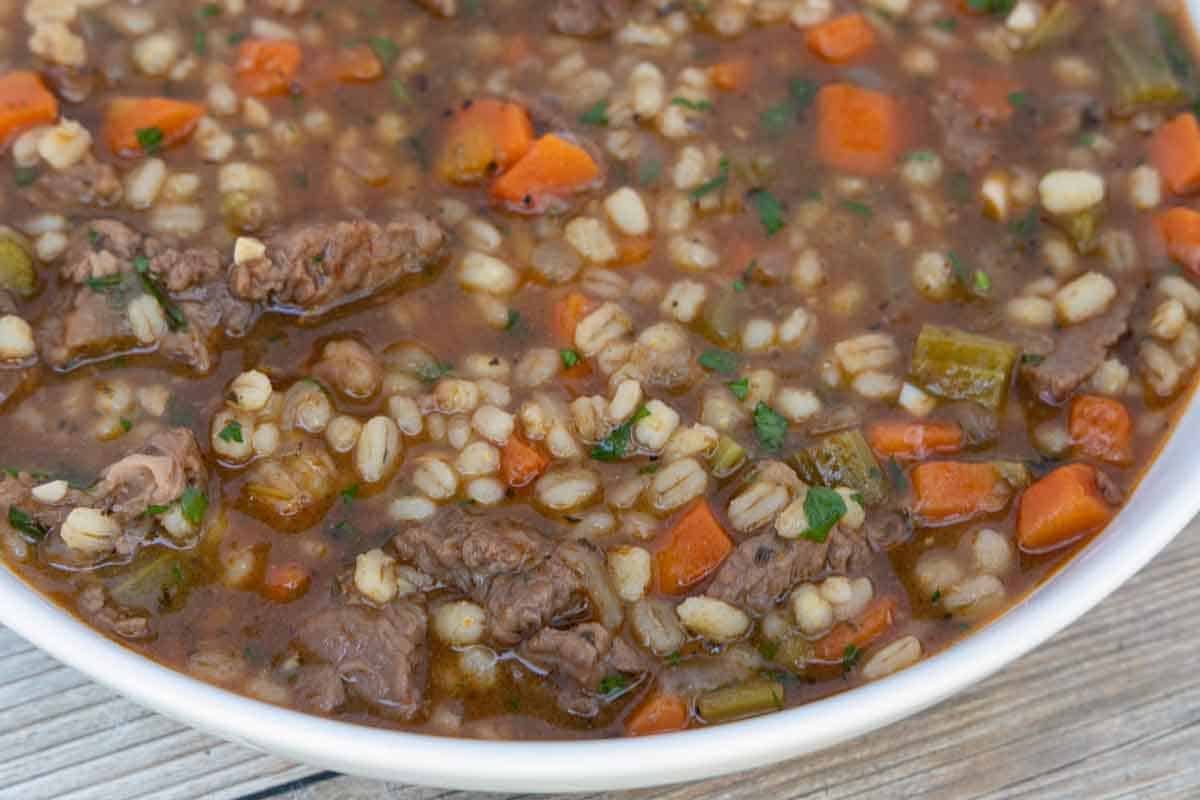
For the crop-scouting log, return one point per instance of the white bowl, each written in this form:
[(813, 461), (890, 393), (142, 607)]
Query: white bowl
[(1166, 500)]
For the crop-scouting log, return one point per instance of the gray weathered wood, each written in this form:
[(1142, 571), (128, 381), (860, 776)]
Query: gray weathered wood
[(1109, 709)]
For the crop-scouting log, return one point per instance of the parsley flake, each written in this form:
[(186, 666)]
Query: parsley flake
[(596, 115), (26, 525), (614, 446), (613, 684), (823, 507), (232, 432), (385, 49), (194, 504), (569, 358), (740, 388), (430, 373), (150, 139), (105, 283), (713, 184), (692, 105), (770, 210), (721, 361), (770, 427), (850, 657)]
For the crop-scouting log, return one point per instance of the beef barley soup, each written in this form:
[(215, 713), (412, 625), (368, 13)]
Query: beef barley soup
[(580, 368)]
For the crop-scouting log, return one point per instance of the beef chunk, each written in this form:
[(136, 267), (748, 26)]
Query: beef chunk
[(661, 356), (319, 687), (156, 475), (315, 268), (886, 529), (100, 276), (513, 571), (764, 568), (98, 608), (1078, 352), (578, 659), (90, 184), (379, 654), (967, 134), (15, 381), (585, 17)]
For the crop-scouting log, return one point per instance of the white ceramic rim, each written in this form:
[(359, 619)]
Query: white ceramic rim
[(1167, 499)]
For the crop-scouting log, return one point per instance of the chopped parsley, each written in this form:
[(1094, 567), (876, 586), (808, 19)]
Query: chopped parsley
[(1018, 100), (649, 469), (569, 358), (779, 117), (673, 658), (692, 105), (150, 139), (400, 91), (768, 650), (200, 42), (384, 49), (936, 596), (596, 115), (896, 475), (850, 657), (176, 321), (210, 10), (740, 388), (614, 446), (350, 493), (991, 6), (721, 361), (513, 319), (739, 285), (26, 525), (921, 155), (770, 210), (126, 424), (861, 209), (948, 24), (154, 510), (713, 184), (770, 427), (613, 684), (430, 373), (232, 432), (104, 284), (823, 507), (193, 504), (1032, 359)]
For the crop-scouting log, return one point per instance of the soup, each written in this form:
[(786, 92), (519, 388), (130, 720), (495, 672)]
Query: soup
[(592, 368)]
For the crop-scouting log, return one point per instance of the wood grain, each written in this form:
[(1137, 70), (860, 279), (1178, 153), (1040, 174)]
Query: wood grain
[(1109, 709)]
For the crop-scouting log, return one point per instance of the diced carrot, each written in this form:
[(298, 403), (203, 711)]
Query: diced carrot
[(1180, 230), (286, 582), (915, 440), (993, 96), (1102, 428), (567, 313), (521, 463), (1061, 507), (25, 102), (659, 713), (633, 250), (267, 66), (946, 491), (859, 633), (696, 545), (135, 125), (733, 75), (841, 39), (485, 137), (1175, 151), (858, 130), (357, 64), (553, 168)]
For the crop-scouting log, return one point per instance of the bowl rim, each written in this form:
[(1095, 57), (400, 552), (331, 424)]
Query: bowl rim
[(1166, 500)]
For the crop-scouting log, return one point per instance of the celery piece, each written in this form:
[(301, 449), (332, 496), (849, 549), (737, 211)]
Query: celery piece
[(1014, 473), (959, 365), (746, 699), (720, 319), (156, 581), (843, 459), (727, 458), (1083, 228), (1141, 78), (17, 273), (1059, 23), (793, 653)]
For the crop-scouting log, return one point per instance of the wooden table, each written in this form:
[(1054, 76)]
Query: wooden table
[(1109, 709)]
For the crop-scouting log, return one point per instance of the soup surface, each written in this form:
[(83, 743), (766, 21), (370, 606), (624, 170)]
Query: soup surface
[(586, 367)]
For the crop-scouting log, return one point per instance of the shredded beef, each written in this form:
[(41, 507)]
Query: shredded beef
[(90, 184), (513, 571), (442, 8), (1078, 352), (379, 654), (578, 659), (764, 568), (156, 475), (966, 132), (312, 269)]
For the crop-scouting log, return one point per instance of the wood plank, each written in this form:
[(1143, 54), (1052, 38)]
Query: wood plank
[(1109, 709)]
